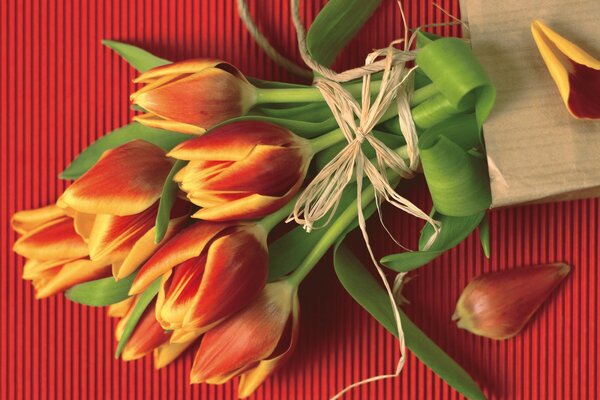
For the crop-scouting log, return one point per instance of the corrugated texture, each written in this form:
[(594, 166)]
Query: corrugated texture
[(60, 90)]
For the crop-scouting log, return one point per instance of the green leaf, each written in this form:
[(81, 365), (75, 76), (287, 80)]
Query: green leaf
[(363, 287), (87, 158), (262, 84), (304, 129), (460, 79), (167, 199), (141, 304), (336, 25), (308, 112), (456, 173), (454, 230), (138, 58), (484, 235), (101, 292)]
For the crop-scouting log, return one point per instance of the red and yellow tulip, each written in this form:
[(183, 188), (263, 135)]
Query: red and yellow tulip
[(252, 343), (208, 271), (57, 257), (114, 205), (191, 96), (576, 73), (242, 170)]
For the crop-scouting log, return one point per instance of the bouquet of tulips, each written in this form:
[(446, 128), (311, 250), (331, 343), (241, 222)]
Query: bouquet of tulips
[(168, 219)]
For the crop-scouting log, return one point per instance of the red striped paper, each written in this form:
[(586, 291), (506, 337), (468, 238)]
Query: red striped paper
[(60, 90)]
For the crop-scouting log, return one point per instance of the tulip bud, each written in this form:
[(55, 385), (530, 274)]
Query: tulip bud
[(193, 95), (497, 305), (209, 271), (252, 343), (576, 73), (242, 170)]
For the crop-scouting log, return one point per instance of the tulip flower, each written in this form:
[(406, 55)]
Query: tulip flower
[(242, 170), (115, 203), (208, 271), (147, 336), (190, 96), (252, 343), (497, 305), (576, 73), (57, 257)]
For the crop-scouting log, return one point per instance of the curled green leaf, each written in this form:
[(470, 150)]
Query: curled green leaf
[(138, 58), (101, 292), (167, 199)]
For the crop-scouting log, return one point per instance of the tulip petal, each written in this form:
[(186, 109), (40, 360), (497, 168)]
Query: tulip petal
[(34, 269), (187, 244), (576, 73), (83, 224), (147, 336), (27, 220), (168, 352), (145, 247), (120, 309), (56, 239), (253, 378), (203, 99), (181, 67), (235, 273), (113, 237), (71, 274), (126, 180), (254, 206), (154, 121), (233, 142), (246, 338), (499, 304)]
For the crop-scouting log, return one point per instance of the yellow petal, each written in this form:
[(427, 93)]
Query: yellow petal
[(25, 221), (168, 352), (120, 309), (154, 121)]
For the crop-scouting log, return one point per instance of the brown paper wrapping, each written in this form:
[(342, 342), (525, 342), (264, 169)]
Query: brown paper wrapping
[(536, 150)]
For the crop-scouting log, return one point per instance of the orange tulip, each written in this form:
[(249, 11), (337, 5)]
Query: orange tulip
[(575, 72), (191, 96), (252, 343), (114, 205), (57, 257), (242, 170), (209, 271), (497, 305)]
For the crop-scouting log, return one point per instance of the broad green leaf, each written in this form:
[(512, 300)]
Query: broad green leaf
[(460, 79), (101, 292), (363, 287), (456, 173), (167, 199), (484, 235), (141, 304), (87, 158), (138, 58), (335, 25), (454, 230)]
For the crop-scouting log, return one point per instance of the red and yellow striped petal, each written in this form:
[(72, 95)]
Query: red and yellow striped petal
[(187, 244), (154, 121), (145, 247), (202, 99), (576, 73), (147, 336), (250, 380), (56, 239), (233, 142), (246, 338), (35, 269), (235, 274), (71, 274), (113, 237), (190, 66), (254, 206), (168, 352), (125, 181), (27, 220)]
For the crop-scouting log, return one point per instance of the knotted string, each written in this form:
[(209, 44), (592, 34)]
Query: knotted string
[(321, 197)]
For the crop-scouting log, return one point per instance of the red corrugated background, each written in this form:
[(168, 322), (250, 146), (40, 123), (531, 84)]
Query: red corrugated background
[(60, 90)]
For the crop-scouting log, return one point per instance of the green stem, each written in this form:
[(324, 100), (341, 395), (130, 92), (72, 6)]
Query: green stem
[(270, 221), (312, 94)]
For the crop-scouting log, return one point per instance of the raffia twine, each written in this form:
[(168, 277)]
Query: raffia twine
[(321, 197)]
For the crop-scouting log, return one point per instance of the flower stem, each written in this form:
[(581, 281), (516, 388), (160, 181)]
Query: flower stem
[(270, 221)]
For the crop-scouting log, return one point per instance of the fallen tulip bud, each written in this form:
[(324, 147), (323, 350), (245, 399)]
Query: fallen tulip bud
[(497, 305)]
